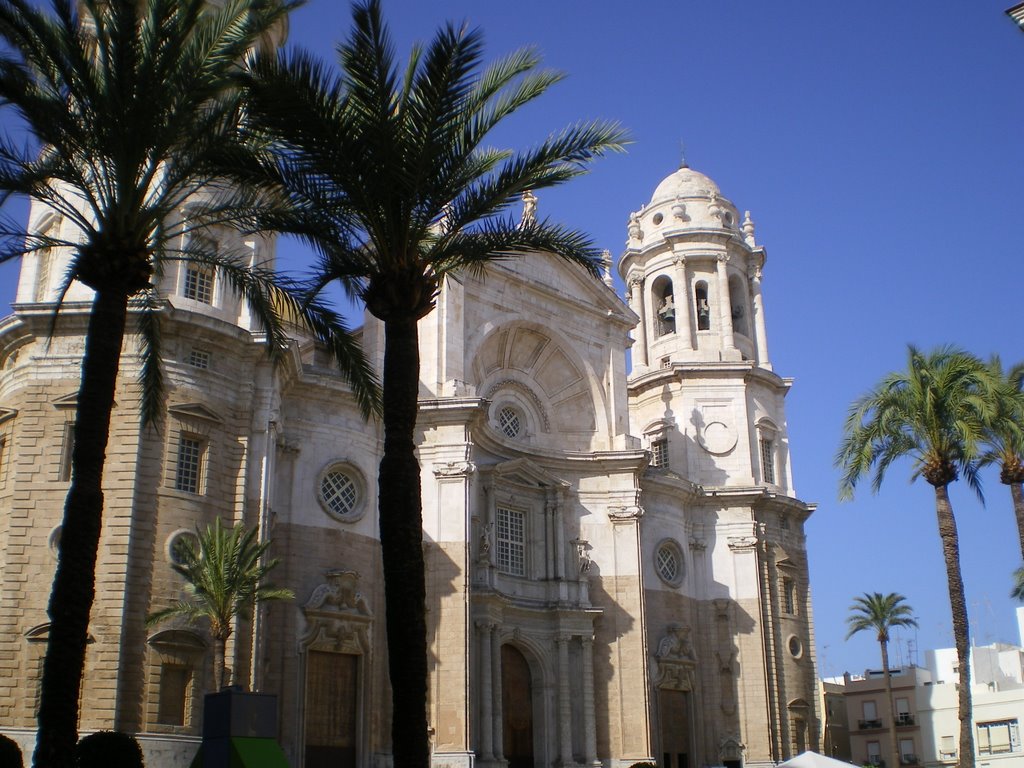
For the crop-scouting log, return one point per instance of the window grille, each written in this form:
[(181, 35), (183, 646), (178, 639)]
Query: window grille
[(199, 358), (768, 460), (190, 461), (339, 492), (998, 737), (659, 453), (511, 541), (510, 422), (666, 560), (199, 284)]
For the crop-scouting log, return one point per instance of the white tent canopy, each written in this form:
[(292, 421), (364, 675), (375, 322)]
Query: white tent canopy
[(813, 760)]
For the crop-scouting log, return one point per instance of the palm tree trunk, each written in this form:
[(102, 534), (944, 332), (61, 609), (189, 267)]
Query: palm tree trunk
[(894, 753), (401, 537), (1017, 493), (961, 631), (74, 584), (220, 646)]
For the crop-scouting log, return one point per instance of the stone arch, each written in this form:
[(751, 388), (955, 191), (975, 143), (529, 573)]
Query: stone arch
[(541, 360), (739, 306), (518, 753), (664, 305)]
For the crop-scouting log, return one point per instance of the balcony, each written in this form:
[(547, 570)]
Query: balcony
[(904, 718), (867, 725), (875, 760), (908, 759)]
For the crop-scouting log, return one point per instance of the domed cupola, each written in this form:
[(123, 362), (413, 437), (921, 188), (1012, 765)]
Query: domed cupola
[(693, 270)]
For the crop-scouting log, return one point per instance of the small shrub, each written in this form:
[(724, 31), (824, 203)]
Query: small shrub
[(109, 749), (10, 753), (643, 765)]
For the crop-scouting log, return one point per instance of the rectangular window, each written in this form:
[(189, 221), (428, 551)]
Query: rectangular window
[(998, 737), (199, 283), (947, 747), (788, 596), (67, 450), (659, 453), (175, 681), (907, 754), (870, 710), (874, 753), (199, 358), (768, 460), (188, 472), (511, 541)]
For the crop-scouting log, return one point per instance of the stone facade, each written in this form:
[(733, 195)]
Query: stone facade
[(616, 561)]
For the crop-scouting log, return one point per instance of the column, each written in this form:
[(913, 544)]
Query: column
[(684, 303), (636, 303), (486, 692), (724, 305), (564, 702), (759, 326), (497, 725), (589, 727)]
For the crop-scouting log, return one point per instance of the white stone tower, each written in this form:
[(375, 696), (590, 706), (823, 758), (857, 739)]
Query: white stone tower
[(694, 277)]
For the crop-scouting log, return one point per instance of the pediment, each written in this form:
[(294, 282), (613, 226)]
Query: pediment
[(6, 414), (524, 472), (68, 402), (195, 411), (178, 639)]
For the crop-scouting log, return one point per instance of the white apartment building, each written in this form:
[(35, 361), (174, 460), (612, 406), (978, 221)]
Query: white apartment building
[(925, 700)]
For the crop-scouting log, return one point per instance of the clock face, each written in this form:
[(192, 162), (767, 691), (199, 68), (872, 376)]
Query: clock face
[(718, 438)]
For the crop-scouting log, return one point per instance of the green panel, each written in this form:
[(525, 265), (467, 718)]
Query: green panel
[(256, 753)]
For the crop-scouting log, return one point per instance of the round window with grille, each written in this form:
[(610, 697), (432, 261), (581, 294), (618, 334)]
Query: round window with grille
[(510, 422), (341, 493), (668, 562)]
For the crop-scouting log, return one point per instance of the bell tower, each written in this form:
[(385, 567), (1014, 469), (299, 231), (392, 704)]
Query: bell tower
[(693, 272)]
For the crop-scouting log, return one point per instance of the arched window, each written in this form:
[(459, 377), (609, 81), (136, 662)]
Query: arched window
[(738, 305), (700, 301), (665, 306)]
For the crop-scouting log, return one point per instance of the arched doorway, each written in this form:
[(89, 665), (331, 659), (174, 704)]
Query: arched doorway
[(516, 708)]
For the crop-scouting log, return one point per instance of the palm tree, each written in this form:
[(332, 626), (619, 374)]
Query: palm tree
[(933, 413), (135, 109), (224, 570), (1004, 435), (879, 613), (389, 179)]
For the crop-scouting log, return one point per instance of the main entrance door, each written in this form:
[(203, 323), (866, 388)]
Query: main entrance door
[(675, 729), (516, 708), (331, 710)]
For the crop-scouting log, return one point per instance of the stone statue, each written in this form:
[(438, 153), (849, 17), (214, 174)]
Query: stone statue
[(529, 209)]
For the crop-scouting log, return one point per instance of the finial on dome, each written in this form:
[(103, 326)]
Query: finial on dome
[(682, 155), (748, 229)]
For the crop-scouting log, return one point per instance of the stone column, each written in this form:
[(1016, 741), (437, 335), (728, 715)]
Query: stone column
[(636, 303), (684, 303), (564, 702), (486, 692), (497, 726), (759, 326), (725, 306), (589, 726)]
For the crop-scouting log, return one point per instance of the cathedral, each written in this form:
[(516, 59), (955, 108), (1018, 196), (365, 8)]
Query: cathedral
[(617, 568)]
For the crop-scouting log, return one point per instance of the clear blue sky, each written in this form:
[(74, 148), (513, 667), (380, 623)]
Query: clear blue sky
[(878, 147)]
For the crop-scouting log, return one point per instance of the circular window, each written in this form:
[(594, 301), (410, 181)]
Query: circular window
[(510, 422), (340, 493), (176, 541), (668, 562), (796, 648), (658, 218)]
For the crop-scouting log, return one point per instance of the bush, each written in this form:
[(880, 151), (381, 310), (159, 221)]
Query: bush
[(10, 753), (109, 749), (643, 765)]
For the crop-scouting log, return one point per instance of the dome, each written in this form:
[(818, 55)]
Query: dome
[(685, 182)]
